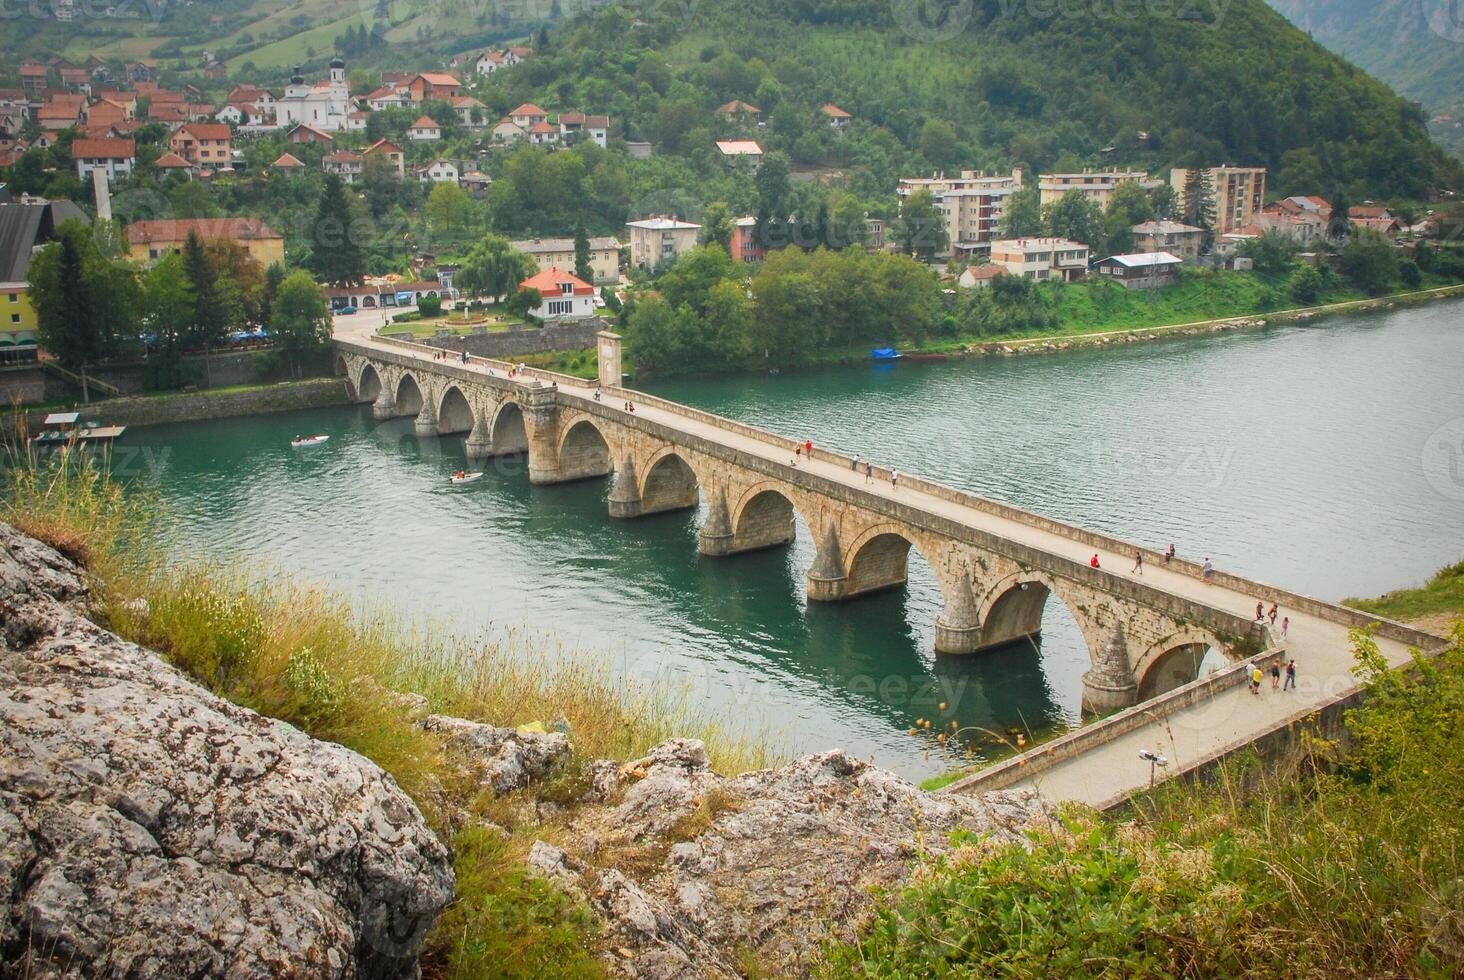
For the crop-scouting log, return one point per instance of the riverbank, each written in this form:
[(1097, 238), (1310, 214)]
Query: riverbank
[(195, 406)]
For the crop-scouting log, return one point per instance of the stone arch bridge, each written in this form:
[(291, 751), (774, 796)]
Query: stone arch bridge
[(996, 566)]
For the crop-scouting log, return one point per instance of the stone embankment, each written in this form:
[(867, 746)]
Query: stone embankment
[(150, 828)]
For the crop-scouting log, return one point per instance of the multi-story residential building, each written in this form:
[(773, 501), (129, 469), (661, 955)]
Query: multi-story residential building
[(558, 253), (151, 240), (438, 172), (424, 129), (744, 246), (973, 205), (389, 151), (25, 226), (527, 115), (575, 126), (1239, 192), (658, 239), (344, 163), (206, 146), (433, 85), (1041, 259), (114, 157), (1174, 237), (1098, 185)]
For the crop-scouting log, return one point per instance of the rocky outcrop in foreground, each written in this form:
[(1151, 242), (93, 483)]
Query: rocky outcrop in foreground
[(691, 870), (151, 829)]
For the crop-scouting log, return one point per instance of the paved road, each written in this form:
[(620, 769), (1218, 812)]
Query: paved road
[(1320, 646)]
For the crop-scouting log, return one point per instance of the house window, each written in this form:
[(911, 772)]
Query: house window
[(15, 297), (559, 306), (15, 318)]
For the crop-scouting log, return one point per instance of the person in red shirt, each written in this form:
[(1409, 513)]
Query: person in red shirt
[(1094, 561)]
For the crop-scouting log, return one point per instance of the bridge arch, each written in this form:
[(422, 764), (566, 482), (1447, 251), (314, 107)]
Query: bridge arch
[(668, 482), (454, 413), (508, 433), (765, 515), (583, 451), (1011, 610), (368, 384), (879, 558), (408, 395), (1176, 660)]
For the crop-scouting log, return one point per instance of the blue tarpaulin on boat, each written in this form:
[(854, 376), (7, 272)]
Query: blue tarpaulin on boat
[(884, 353)]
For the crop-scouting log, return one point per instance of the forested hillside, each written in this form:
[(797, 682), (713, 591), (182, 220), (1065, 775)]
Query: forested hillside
[(1004, 86), (1416, 46)]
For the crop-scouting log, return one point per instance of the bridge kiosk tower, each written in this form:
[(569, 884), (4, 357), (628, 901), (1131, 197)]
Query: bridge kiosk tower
[(609, 344)]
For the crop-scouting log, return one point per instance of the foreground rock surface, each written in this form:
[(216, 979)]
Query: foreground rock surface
[(691, 870), (151, 829)]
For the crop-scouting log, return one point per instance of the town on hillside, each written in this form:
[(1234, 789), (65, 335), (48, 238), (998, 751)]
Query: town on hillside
[(437, 203)]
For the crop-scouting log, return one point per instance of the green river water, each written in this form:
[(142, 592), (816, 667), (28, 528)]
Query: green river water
[(1328, 458)]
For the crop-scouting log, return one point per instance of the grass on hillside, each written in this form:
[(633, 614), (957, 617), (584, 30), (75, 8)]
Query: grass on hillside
[(296, 652), (1329, 865), (1441, 596)]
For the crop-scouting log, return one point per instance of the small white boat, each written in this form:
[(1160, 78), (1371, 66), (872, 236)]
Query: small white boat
[(308, 441), (464, 477)]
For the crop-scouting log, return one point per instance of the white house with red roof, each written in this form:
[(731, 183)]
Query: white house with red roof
[(424, 130), (565, 296), (542, 132), (526, 115), (115, 158), (508, 131), (838, 118)]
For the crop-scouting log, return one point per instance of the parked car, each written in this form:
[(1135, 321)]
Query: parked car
[(345, 311)]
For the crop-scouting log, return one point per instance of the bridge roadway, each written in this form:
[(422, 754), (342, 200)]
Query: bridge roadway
[(1109, 767)]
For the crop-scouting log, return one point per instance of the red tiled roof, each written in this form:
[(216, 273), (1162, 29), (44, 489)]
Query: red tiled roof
[(102, 149), (288, 160), (833, 111), (548, 281), (528, 109), (438, 78), (542, 127), (172, 161), (177, 229), (737, 105), (207, 131)]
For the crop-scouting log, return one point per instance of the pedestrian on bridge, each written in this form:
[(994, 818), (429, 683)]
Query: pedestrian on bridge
[(855, 464), (808, 448), (1255, 678), (1272, 614), (894, 480), (1169, 555), (1276, 673), (1290, 684), (1260, 611), (1207, 571), (868, 473), (1285, 625), (1093, 562), (1138, 562)]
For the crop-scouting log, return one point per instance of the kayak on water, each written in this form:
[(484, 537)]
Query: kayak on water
[(308, 440), (461, 477)]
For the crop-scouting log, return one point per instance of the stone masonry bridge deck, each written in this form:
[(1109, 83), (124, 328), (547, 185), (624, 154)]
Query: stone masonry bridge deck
[(996, 565)]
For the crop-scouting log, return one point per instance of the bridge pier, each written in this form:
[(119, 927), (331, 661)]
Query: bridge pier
[(541, 414), (625, 498), (426, 424), (826, 579), (479, 444), (715, 537), (958, 627), (385, 405), (1109, 685)]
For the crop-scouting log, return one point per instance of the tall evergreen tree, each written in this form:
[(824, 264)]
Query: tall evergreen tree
[(211, 312), (1339, 222), (335, 256), (1198, 204), (582, 267)]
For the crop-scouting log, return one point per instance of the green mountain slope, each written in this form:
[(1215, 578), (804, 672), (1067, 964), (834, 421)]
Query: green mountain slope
[(1416, 46), (994, 83)]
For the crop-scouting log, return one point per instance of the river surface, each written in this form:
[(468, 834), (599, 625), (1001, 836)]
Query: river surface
[(1314, 456)]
